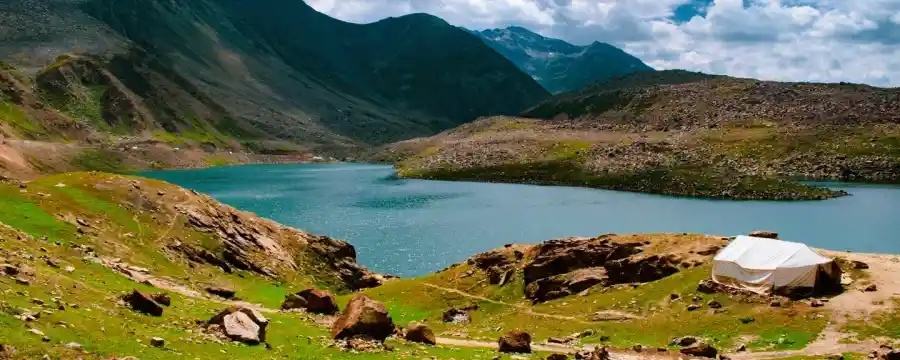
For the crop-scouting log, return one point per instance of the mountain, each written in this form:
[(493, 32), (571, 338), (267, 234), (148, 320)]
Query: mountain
[(240, 73), (678, 133), (558, 65)]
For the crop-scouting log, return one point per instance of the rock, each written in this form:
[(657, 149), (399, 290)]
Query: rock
[(637, 348), (556, 340), (364, 317), (707, 287), (835, 357), (420, 333), (674, 296), (859, 265), (741, 348), (714, 304), (162, 298), (515, 342), (157, 342), (242, 324), (143, 303), (816, 303), (748, 320), (693, 307), (561, 256), (559, 286), (700, 349), (599, 353), (221, 292), (37, 301), (36, 332), (9, 270), (683, 341), (640, 270), (764, 234), (890, 355), (775, 303), (74, 345), (458, 315), (313, 300), (871, 288), (69, 269), (23, 281), (557, 357)]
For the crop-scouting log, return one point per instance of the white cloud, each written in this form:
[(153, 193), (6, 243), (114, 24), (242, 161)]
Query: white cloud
[(792, 40)]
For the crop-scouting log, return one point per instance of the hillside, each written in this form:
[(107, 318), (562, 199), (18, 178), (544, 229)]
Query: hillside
[(237, 75), (557, 65), (678, 133)]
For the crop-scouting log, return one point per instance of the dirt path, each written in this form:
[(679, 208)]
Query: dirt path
[(562, 349), (612, 315)]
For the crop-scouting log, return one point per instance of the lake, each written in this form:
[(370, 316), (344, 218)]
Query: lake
[(414, 227)]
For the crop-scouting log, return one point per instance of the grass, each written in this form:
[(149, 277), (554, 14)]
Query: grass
[(884, 324), (103, 327), (688, 182), (18, 119), (213, 161), (101, 160), (661, 319)]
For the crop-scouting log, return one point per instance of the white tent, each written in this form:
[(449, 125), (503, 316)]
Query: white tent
[(766, 265)]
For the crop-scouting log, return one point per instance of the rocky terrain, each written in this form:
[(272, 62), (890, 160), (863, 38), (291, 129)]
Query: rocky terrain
[(557, 65), (677, 133), (98, 266), (234, 76)]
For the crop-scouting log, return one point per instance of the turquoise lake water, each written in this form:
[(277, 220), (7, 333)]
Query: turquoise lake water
[(413, 227)]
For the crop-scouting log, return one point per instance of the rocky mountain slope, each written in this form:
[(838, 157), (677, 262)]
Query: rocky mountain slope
[(678, 133), (558, 65), (237, 74)]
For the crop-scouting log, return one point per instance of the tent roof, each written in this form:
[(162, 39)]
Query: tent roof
[(768, 254)]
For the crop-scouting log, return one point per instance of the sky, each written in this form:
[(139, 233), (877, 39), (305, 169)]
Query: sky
[(787, 40)]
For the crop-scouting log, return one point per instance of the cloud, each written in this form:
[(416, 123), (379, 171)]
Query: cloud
[(790, 40)]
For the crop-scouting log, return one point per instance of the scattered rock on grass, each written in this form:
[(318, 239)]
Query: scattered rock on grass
[(700, 349), (420, 333), (693, 307), (458, 315), (222, 292), (599, 353), (515, 342), (363, 317), (313, 300), (36, 332), (143, 303), (683, 341), (707, 287), (557, 357), (241, 324), (157, 342), (714, 304)]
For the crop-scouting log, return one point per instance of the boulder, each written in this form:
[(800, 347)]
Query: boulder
[(313, 300), (9, 270), (890, 355), (143, 303), (693, 307), (558, 357), (684, 341), (363, 317), (157, 342), (458, 315), (764, 234), (859, 265), (420, 333), (500, 275), (599, 353), (707, 287), (871, 288), (700, 349), (241, 324), (222, 292), (162, 298), (515, 342)]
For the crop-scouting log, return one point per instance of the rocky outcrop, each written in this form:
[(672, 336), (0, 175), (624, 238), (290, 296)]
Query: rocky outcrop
[(765, 234), (221, 292), (143, 303), (363, 317), (459, 315), (515, 342), (240, 324), (558, 286), (262, 246), (312, 300), (640, 270), (420, 333), (556, 257)]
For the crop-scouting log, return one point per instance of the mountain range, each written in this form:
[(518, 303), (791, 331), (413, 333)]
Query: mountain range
[(241, 72), (557, 65)]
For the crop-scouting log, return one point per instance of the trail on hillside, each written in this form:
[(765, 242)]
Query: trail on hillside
[(612, 315)]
